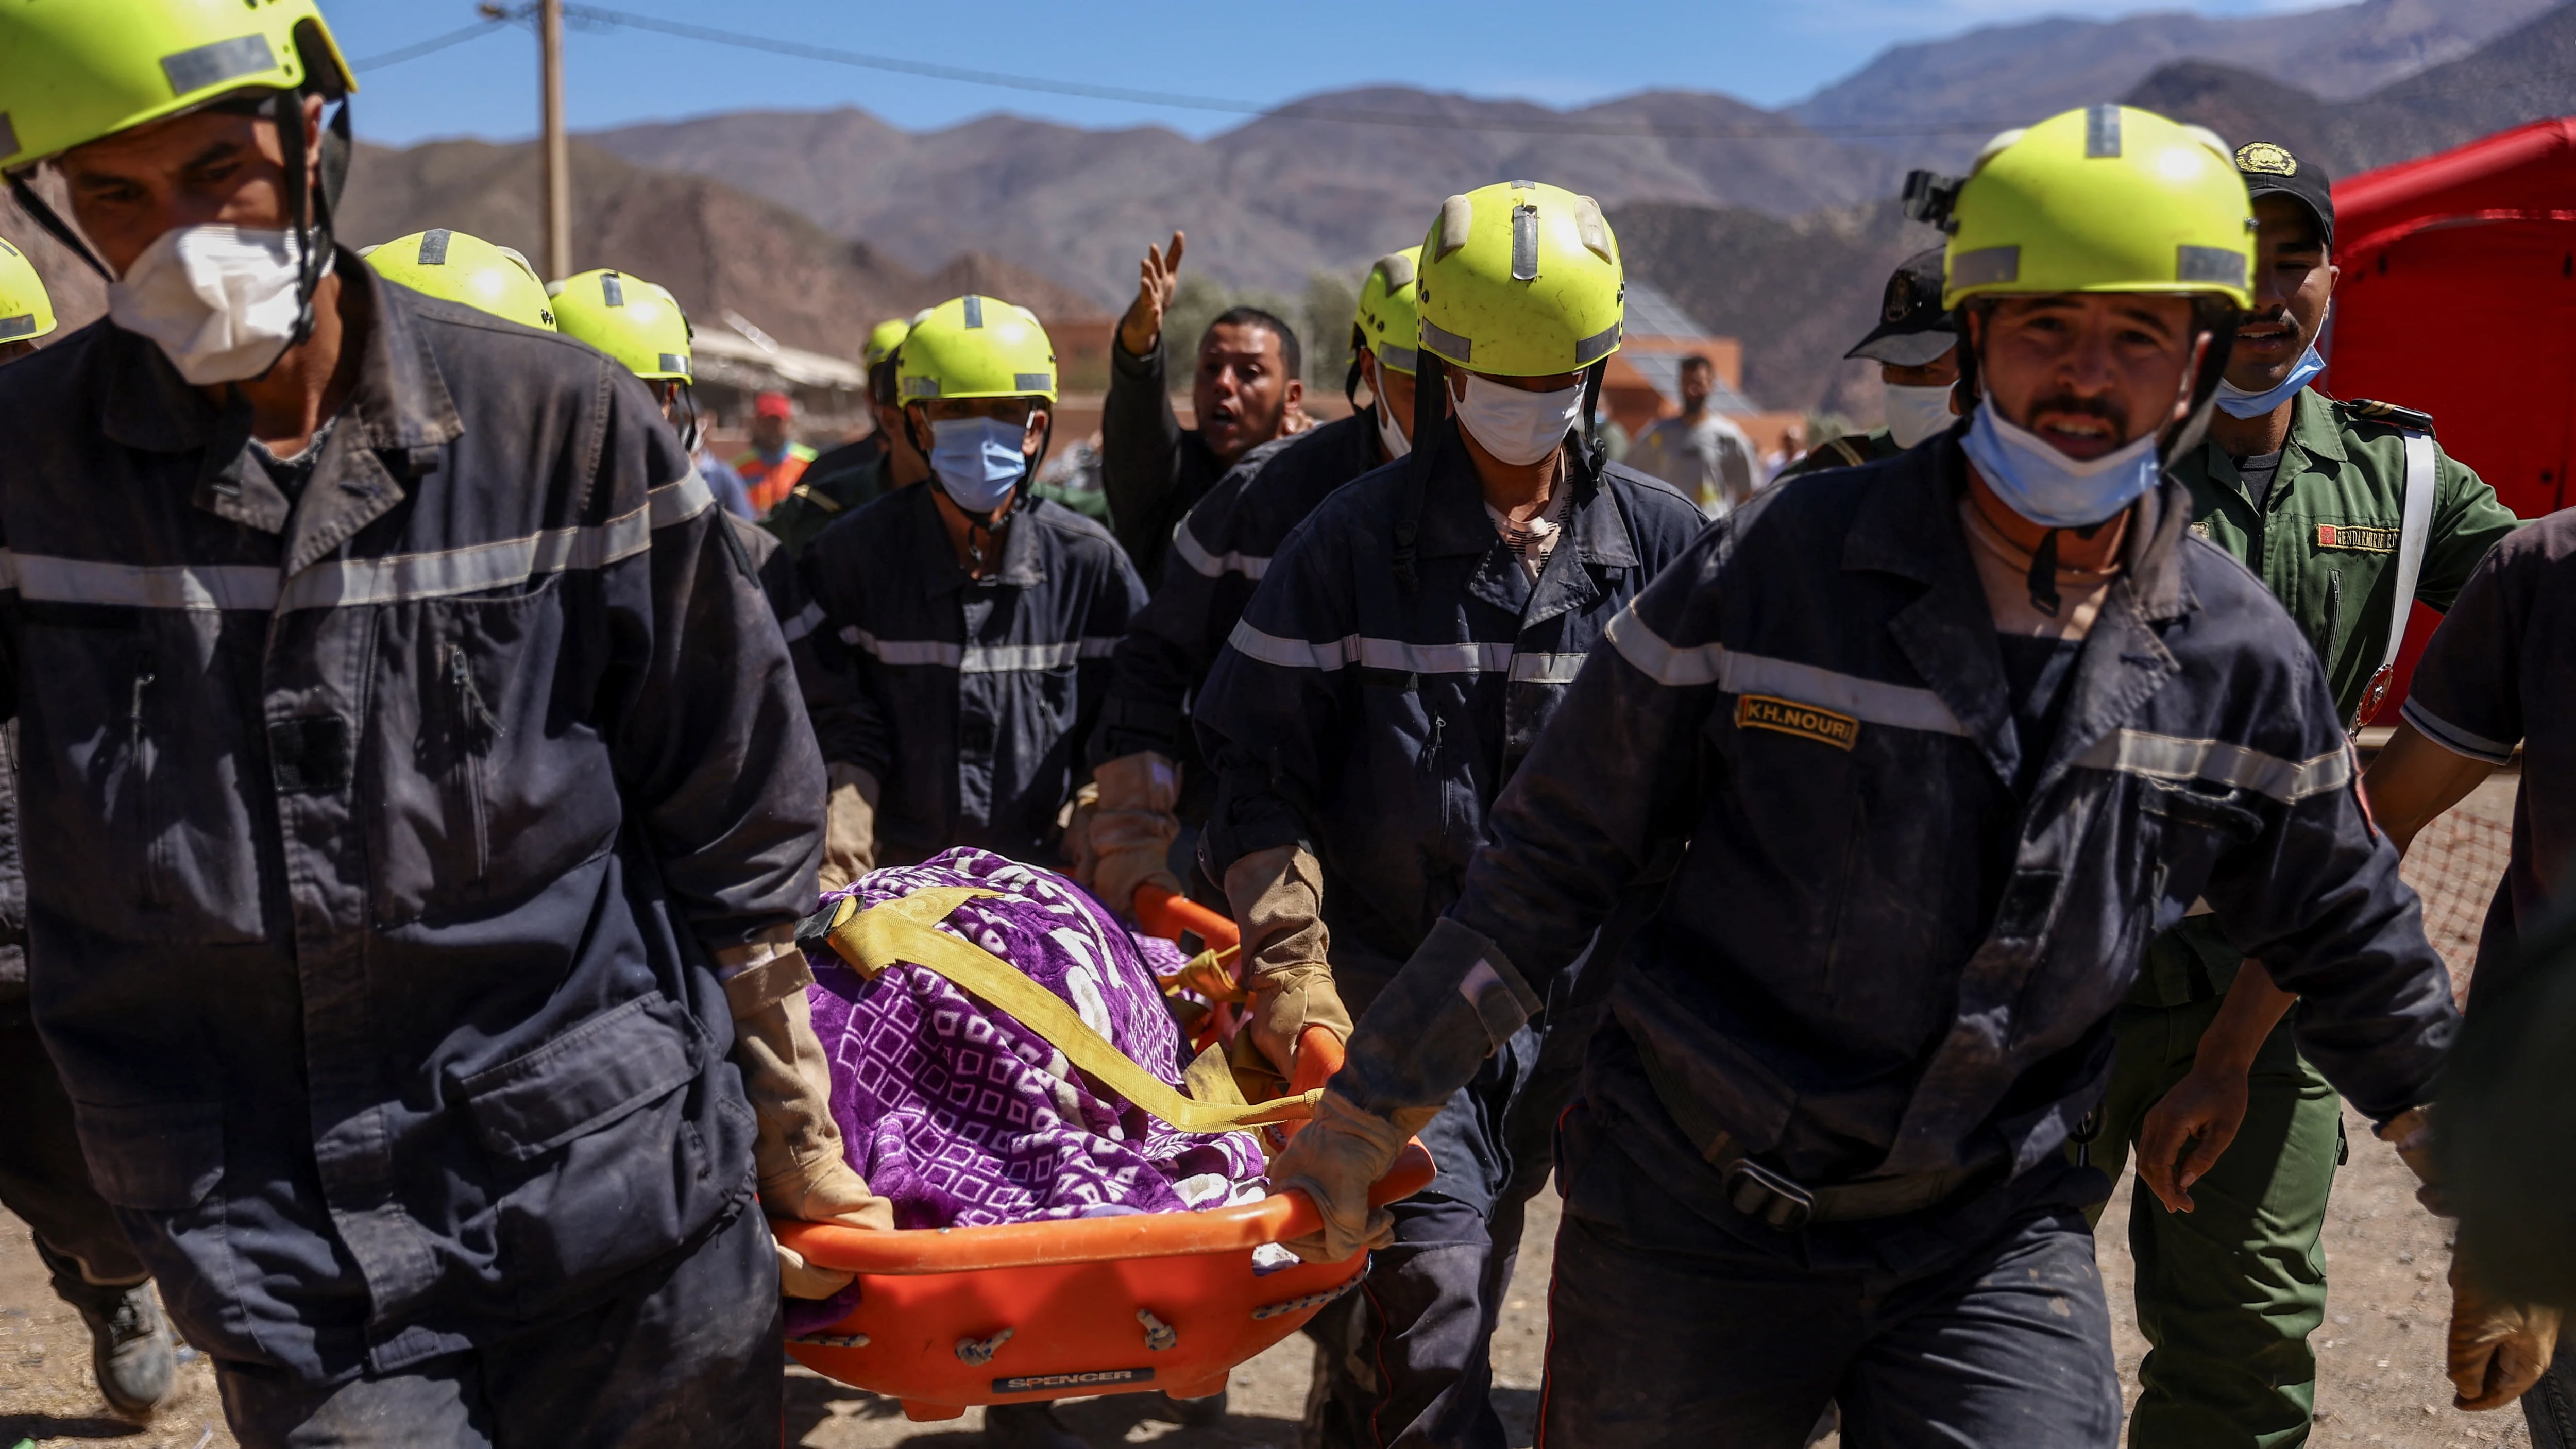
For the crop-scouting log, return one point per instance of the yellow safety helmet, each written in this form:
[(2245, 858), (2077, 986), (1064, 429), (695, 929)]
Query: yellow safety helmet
[(970, 347), (26, 313), (467, 269), (1520, 279), (884, 338), (635, 321), (2102, 199), (1388, 323), (72, 71)]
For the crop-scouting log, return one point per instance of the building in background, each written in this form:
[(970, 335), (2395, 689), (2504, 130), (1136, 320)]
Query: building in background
[(1644, 379)]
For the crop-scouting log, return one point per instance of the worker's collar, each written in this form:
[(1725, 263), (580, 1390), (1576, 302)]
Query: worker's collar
[(1454, 521), (1022, 565), (1909, 527)]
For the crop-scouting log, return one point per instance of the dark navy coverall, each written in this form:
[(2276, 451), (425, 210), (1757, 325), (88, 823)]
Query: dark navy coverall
[(1375, 724), (1879, 963), (1152, 469), (968, 699), (386, 829), (1217, 558)]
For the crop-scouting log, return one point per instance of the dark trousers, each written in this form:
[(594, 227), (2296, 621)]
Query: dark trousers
[(44, 1180), (688, 1357), (1406, 1359), (1666, 1329)]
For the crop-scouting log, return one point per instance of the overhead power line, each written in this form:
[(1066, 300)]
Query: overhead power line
[(598, 17)]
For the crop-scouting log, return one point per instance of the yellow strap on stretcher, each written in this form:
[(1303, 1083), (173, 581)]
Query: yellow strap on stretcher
[(900, 931)]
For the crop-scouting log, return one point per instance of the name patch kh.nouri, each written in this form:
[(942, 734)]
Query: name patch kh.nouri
[(1788, 717)]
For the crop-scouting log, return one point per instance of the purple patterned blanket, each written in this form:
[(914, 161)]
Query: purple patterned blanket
[(964, 1117)]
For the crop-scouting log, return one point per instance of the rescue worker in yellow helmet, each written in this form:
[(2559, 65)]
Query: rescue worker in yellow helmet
[(1875, 796), (409, 934), (43, 1177), (455, 267), (642, 325), (856, 472), (1154, 792), (1409, 642)]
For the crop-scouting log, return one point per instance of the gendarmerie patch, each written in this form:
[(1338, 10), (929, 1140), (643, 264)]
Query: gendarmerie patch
[(2356, 538), (1788, 717)]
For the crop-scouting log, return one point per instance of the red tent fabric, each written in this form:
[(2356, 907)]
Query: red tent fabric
[(2459, 299)]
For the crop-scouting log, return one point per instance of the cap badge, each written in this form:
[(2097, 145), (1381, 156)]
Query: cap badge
[(2267, 159), (1900, 297)]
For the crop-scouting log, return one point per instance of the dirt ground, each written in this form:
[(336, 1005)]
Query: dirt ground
[(2379, 1354)]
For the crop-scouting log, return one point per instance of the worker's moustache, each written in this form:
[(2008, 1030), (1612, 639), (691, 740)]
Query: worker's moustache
[(221, 301)]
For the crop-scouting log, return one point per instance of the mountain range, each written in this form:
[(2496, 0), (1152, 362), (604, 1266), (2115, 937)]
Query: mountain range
[(1772, 226)]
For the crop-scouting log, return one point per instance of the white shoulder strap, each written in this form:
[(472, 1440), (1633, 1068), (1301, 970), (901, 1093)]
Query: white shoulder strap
[(2411, 539)]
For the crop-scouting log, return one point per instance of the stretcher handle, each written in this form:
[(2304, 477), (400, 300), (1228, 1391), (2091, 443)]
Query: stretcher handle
[(1164, 914), (1278, 1217)]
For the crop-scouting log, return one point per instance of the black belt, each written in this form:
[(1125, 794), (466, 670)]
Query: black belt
[(1778, 1201)]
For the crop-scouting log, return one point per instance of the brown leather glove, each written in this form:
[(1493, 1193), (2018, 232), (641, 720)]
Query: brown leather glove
[(849, 827), (1132, 830), (1335, 1159), (1278, 901), (802, 1170), (2498, 1350)]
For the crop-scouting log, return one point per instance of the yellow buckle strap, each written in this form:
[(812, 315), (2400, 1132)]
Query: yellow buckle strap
[(900, 931)]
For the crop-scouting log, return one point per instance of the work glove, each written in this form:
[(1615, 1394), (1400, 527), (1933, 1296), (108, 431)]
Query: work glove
[(1132, 828), (803, 1174), (2411, 1133), (2498, 1350), (1335, 1158), (849, 827), (1278, 901), (1426, 1035)]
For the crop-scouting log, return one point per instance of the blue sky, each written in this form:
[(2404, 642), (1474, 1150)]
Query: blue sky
[(1768, 53)]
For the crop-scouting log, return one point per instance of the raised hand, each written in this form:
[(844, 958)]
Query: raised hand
[(1156, 277)]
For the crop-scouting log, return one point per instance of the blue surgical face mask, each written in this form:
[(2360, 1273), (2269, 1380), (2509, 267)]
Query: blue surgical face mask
[(2236, 402), (2046, 486), (978, 460)]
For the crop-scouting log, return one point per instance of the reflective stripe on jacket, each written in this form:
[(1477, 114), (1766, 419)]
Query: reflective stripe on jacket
[(385, 827), (1377, 723), (1874, 957), (967, 699)]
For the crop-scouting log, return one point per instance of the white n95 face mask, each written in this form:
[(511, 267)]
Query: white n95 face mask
[(1518, 427), (1917, 413), (221, 301)]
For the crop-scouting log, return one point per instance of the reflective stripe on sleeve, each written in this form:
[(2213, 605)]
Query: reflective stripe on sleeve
[(1186, 544), (1901, 706), (194, 587), (2453, 738), (807, 620), (2169, 757)]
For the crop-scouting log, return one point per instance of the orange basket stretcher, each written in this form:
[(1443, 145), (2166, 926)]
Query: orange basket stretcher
[(948, 1318)]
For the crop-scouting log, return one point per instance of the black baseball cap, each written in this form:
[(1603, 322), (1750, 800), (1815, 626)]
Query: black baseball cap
[(2270, 169), (1913, 327)]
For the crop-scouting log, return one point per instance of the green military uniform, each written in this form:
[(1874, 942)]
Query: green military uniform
[(1848, 451), (830, 488), (2228, 1293)]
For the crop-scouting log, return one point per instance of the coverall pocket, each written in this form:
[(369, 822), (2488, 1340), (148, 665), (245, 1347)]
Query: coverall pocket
[(584, 1080), (484, 779), (161, 1159)]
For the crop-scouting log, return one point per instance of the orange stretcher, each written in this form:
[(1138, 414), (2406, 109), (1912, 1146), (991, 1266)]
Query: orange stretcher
[(1022, 1312)]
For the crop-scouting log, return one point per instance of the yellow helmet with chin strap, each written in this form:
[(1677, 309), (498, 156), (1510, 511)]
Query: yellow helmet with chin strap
[(72, 71), (976, 347), (1389, 325), (2102, 199), (1520, 279), (635, 321), (26, 311), (461, 268)]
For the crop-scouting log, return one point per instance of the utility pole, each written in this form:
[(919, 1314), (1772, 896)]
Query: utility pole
[(558, 153)]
